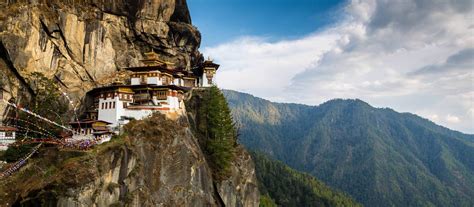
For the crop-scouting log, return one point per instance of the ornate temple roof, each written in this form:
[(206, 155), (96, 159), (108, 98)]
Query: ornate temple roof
[(210, 63), (137, 87)]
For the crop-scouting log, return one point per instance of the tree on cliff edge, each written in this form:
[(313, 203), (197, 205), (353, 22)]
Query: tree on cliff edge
[(220, 131)]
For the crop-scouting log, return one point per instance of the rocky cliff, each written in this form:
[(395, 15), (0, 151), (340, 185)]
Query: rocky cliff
[(84, 43), (158, 162)]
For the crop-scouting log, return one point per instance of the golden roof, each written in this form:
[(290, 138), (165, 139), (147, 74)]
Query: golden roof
[(152, 59)]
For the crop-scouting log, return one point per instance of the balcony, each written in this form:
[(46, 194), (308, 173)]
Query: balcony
[(141, 97)]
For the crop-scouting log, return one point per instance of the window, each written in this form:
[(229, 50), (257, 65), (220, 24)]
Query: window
[(102, 105), (113, 105), (124, 105), (8, 134), (161, 95)]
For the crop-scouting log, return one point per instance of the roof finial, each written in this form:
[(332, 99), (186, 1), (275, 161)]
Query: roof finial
[(209, 58)]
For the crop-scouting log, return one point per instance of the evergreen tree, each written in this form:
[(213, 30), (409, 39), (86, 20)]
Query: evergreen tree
[(219, 129)]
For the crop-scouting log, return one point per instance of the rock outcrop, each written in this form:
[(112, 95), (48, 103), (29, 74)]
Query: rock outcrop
[(240, 189), (157, 163), (85, 43)]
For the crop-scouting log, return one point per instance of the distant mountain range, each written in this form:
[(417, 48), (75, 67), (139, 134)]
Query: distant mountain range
[(377, 155)]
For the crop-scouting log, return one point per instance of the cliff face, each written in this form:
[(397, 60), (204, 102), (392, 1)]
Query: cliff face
[(83, 43), (157, 163)]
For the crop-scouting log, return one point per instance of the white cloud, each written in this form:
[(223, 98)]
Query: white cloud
[(413, 56), (433, 117), (452, 119), (254, 65)]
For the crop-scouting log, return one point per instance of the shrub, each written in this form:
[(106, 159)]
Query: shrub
[(47, 102)]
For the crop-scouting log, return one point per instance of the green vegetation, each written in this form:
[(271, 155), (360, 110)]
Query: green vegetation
[(217, 130), (289, 187), (14, 153), (378, 156), (47, 102), (53, 171), (266, 201)]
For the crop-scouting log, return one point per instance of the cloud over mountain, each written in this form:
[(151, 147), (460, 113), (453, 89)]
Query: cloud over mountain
[(411, 55)]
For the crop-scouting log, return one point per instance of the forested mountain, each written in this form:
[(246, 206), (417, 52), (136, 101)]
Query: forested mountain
[(288, 187), (377, 155)]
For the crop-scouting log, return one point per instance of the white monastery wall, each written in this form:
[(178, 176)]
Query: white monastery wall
[(138, 114), (112, 112), (204, 81), (153, 80), (135, 81)]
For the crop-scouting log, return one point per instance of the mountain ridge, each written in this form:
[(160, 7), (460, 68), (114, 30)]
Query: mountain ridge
[(377, 155), (228, 92)]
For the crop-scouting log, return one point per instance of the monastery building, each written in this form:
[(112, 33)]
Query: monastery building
[(156, 86)]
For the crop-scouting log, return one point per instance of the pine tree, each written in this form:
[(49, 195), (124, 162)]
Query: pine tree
[(221, 133)]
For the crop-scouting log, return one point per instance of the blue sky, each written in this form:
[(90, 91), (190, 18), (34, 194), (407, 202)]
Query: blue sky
[(223, 20), (410, 55)]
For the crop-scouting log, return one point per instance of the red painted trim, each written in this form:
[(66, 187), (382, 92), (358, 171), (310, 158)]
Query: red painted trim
[(151, 109)]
